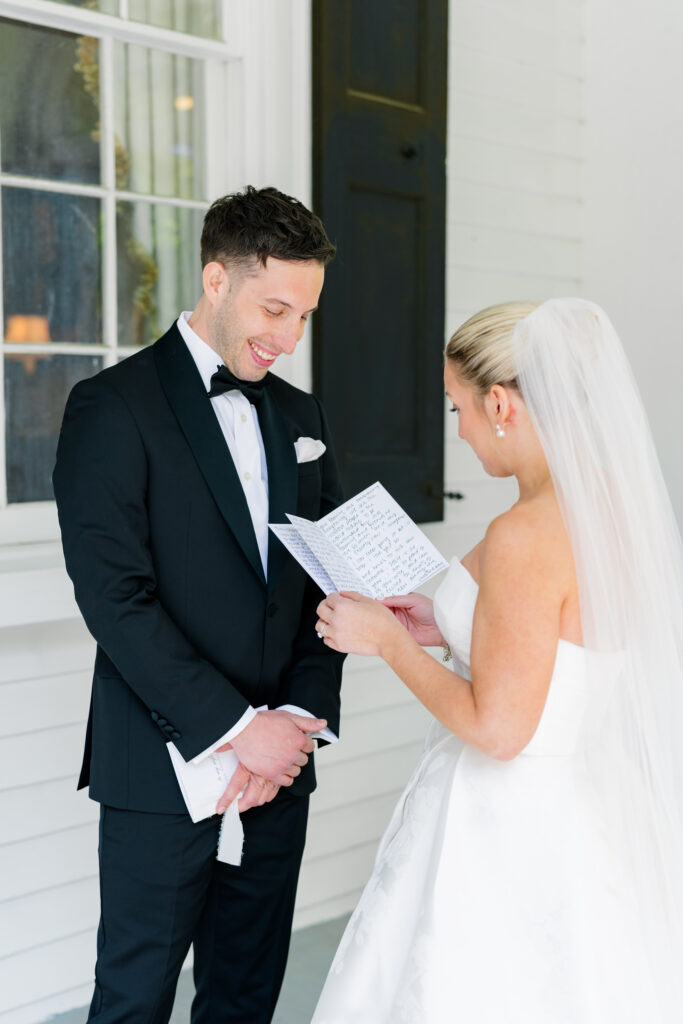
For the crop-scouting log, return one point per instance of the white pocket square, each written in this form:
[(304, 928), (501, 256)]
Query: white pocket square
[(307, 449)]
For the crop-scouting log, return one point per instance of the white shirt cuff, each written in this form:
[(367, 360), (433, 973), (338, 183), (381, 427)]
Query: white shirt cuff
[(324, 734), (237, 728)]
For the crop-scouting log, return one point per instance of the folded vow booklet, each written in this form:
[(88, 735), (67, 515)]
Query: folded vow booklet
[(368, 544), (201, 785)]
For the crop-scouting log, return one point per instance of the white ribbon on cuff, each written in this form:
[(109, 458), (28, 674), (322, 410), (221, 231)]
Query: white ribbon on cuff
[(202, 785), (231, 836)]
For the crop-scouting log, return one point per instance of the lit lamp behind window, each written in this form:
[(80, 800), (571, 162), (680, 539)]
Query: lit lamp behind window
[(25, 329)]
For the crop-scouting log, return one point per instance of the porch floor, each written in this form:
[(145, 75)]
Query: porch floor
[(310, 956)]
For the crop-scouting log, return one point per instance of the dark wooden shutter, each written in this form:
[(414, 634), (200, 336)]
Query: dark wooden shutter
[(379, 115)]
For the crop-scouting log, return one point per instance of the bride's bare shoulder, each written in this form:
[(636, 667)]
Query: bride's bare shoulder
[(471, 560), (530, 536)]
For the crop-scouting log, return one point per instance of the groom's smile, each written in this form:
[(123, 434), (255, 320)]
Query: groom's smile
[(256, 314), (260, 356)]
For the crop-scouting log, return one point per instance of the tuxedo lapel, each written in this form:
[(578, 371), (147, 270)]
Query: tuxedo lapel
[(282, 477), (185, 392)]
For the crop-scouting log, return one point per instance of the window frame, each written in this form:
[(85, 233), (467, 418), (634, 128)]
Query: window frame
[(223, 68)]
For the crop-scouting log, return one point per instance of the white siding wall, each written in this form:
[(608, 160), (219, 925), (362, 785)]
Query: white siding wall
[(633, 224), (514, 187), (514, 229), (48, 836), (517, 194)]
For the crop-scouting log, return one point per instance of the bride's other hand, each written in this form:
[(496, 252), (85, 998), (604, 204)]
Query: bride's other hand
[(354, 624), (415, 612)]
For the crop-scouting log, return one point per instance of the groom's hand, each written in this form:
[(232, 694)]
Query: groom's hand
[(276, 744), (258, 790)]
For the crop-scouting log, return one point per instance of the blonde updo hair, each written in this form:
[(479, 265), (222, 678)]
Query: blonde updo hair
[(481, 348)]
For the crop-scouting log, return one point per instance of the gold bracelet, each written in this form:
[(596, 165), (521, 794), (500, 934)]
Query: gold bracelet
[(446, 653)]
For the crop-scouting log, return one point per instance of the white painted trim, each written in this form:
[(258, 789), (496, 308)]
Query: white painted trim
[(93, 23), (52, 348), (43, 595), (96, 191), (108, 176), (301, 113), (28, 523)]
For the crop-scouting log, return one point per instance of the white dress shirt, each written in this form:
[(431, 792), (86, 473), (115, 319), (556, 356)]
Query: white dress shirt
[(239, 424)]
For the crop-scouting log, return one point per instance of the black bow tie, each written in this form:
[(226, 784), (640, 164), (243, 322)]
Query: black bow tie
[(223, 381)]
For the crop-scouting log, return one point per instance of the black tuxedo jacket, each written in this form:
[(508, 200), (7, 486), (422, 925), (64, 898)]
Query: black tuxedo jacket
[(159, 544)]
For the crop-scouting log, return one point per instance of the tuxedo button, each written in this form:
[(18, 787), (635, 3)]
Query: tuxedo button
[(155, 716), (161, 722), (271, 609), (175, 735)]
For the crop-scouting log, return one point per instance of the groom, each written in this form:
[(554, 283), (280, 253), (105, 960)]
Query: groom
[(169, 467)]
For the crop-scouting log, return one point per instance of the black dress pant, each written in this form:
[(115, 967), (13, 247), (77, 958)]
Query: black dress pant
[(162, 889)]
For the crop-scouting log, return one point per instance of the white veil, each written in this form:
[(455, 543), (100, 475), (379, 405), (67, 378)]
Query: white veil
[(584, 403)]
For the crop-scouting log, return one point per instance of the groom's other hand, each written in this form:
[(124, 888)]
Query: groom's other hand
[(276, 744), (258, 790)]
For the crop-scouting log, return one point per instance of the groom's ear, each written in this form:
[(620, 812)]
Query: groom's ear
[(215, 281)]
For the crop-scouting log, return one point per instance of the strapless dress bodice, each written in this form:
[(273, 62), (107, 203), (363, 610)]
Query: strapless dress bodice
[(494, 897), (564, 715)]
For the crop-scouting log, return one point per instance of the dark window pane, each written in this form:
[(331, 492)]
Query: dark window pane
[(50, 128), (51, 266), (158, 266), (159, 118), (36, 389)]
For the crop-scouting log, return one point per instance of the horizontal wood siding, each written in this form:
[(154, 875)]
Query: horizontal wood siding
[(515, 177), (514, 231), (48, 836)]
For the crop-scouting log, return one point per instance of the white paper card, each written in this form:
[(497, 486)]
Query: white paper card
[(297, 546), (202, 784), (368, 544)]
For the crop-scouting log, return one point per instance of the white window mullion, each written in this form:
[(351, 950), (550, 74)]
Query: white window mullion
[(52, 348), (97, 191), (108, 163), (83, 21), (50, 185), (144, 197)]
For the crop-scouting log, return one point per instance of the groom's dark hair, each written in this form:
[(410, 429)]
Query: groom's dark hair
[(258, 223)]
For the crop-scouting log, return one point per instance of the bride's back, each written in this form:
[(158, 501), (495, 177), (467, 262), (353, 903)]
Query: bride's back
[(538, 524)]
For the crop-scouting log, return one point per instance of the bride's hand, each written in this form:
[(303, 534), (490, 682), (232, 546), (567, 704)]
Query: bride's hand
[(355, 624), (415, 612)]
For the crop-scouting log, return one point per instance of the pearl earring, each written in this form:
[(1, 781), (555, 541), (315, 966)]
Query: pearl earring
[(499, 431)]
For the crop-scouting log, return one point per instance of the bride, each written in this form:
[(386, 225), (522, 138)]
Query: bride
[(531, 871)]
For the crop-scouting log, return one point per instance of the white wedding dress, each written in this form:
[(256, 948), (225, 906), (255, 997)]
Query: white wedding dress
[(494, 899)]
